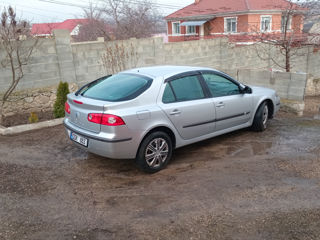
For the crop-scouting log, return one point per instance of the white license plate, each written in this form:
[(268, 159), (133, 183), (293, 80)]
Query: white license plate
[(79, 139)]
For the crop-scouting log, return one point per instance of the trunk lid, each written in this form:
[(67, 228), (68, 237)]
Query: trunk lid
[(80, 107)]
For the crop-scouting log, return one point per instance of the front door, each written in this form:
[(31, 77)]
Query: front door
[(232, 107)]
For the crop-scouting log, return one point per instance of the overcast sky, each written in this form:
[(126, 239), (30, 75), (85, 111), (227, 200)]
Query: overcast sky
[(41, 11)]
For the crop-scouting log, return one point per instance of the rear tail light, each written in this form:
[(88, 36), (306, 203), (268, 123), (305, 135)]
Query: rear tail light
[(105, 119), (67, 107)]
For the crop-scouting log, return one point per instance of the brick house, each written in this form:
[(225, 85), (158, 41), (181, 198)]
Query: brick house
[(237, 19)]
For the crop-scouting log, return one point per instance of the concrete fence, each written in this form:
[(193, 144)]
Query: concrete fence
[(313, 87), (77, 63), (289, 86)]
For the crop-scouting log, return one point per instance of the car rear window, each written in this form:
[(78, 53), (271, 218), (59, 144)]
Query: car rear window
[(120, 87)]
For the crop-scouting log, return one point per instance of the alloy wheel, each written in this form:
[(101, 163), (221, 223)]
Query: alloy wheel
[(156, 152), (265, 116)]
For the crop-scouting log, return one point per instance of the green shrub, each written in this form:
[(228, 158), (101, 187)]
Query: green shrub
[(58, 107), (33, 118)]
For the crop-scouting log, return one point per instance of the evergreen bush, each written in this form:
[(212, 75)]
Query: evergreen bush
[(62, 92)]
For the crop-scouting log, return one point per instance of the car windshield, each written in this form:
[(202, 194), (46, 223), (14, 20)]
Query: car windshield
[(120, 87)]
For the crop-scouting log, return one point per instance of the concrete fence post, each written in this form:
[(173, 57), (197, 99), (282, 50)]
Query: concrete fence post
[(159, 54), (65, 57)]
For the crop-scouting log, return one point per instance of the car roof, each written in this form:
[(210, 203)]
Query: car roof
[(165, 71)]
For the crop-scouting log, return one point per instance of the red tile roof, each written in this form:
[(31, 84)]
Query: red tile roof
[(211, 7), (47, 28)]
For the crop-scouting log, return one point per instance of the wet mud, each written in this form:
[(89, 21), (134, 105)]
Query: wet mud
[(242, 185)]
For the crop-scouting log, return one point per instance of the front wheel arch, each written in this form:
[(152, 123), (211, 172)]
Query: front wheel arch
[(259, 123), (271, 108)]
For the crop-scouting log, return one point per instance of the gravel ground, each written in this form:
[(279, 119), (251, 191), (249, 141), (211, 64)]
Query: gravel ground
[(243, 185)]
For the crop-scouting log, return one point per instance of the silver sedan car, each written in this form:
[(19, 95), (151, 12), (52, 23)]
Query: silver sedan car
[(145, 113)]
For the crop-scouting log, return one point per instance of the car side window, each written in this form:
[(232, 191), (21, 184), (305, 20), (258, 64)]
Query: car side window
[(187, 88), (220, 86), (168, 96)]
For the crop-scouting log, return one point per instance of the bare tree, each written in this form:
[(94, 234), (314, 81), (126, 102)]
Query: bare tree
[(118, 57), (289, 41), (16, 51), (138, 19), (120, 19), (313, 13), (96, 26)]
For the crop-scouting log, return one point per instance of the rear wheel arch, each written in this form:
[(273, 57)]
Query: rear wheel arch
[(164, 129), (150, 157)]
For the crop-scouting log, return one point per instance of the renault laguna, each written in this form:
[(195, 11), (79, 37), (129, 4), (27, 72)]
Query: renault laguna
[(145, 113)]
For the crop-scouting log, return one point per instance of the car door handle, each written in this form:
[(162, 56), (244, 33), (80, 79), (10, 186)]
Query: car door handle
[(220, 105), (175, 112)]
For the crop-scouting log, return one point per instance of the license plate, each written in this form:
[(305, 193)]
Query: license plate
[(79, 139)]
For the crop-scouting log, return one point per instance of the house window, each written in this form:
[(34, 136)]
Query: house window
[(265, 23), (191, 29), (176, 28), (230, 25), (284, 22)]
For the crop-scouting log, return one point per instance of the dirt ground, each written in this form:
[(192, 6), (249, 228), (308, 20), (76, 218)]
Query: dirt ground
[(312, 106), (23, 118), (243, 185)]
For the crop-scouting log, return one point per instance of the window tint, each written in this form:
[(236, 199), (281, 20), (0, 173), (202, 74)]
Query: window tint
[(119, 87), (220, 86), (168, 95), (187, 88)]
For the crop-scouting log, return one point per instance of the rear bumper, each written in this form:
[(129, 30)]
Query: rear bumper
[(101, 145)]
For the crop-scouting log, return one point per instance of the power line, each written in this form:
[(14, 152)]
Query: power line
[(82, 6), (40, 9), (130, 1), (157, 4), (63, 3)]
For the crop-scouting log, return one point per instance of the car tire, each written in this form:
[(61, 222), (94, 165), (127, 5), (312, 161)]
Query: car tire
[(261, 117), (154, 152)]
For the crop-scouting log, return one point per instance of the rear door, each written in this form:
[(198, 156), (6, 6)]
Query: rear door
[(186, 105), (232, 107)]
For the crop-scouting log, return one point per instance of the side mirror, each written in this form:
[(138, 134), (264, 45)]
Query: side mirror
[(246, 89)]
